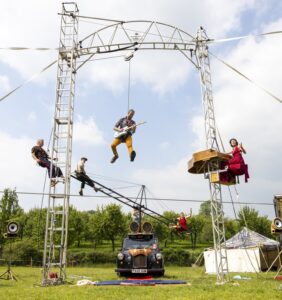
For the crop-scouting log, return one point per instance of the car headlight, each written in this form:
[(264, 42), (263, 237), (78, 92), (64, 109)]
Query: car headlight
[(120, 256), (159, 256)]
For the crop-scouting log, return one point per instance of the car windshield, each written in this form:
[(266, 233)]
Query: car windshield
[(139, 244)]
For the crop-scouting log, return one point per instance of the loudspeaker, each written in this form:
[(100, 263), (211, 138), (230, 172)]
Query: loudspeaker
[(134, 227), (12, 229), (147, 227), (276, 226)]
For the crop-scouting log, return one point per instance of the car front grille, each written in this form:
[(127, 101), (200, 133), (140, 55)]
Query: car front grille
[(140, 261)]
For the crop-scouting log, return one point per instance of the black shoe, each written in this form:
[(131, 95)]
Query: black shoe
[(115, 157), (132, 155), (81, 193)]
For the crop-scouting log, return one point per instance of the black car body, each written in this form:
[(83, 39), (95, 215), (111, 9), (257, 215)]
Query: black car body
[(140, 254)]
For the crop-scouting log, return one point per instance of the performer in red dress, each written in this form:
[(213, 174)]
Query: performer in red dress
[(182, 223), (236, 165)]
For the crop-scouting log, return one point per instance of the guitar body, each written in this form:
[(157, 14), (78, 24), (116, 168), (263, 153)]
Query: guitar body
[(121, 134), (125, 130)]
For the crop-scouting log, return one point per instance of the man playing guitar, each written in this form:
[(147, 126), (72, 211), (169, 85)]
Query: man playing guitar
[(125, 127)]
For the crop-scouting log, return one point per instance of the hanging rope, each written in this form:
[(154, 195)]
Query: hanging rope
[(42, 198), (128, 86)]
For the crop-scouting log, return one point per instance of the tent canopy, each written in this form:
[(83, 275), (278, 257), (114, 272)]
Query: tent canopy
[(247, 238)]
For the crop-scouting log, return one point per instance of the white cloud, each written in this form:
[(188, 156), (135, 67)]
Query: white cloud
[(39, 27), (87, 132), (164, 145), (4, 83), (32, 116), (18, 169)]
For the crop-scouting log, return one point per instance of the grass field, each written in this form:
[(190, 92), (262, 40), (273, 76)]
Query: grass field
[(200, 286)]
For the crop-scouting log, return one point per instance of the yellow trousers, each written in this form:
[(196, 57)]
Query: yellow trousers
[(116, 142)]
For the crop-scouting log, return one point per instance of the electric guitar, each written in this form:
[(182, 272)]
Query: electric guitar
[(118, 134)]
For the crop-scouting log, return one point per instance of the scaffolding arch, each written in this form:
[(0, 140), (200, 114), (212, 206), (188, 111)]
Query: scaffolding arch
[(147, 35)]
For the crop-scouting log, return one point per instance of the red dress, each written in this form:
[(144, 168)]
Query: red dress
[(236, 164), (182, 224)]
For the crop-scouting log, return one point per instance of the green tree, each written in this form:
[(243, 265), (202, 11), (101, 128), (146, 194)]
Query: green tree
[(195, 225), (231, 228), (9, 210), (114, 223), (109, 223), (33, 224), (205, 209), (249, 217), (78, 226)]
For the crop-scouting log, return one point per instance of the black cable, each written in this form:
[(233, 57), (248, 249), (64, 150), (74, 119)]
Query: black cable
[(151, 199)]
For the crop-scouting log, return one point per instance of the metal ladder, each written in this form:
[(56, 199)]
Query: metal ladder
[(56, 230)]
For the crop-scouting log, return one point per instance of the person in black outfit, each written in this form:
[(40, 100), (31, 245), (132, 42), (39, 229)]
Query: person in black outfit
[(43, 160), (82, 176)]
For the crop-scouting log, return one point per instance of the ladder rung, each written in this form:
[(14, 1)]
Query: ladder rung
[(57, 195), (55, 229), (55, 264), (63, 121), (55, 246)]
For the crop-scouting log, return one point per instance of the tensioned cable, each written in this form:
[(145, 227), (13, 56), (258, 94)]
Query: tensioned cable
[(93, 18), (158, 199), (42, 199), (242, 37), (37, 74), (30, 79), (28, 48), (114, 179), (247, 78), (128, 86)]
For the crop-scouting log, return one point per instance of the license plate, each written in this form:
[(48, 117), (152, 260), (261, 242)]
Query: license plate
[(139, 270)]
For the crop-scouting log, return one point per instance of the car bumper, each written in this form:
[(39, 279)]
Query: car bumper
[(148, 271)]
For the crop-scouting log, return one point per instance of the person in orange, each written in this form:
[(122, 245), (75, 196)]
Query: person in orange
[(125, 127)]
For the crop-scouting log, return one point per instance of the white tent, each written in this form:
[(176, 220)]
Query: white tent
[(247, 251)]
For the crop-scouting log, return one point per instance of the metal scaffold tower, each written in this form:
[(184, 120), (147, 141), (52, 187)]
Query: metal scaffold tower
[(56, 232), (217, 214), (120, 36)]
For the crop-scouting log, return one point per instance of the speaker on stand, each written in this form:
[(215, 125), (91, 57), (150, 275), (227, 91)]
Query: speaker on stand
[(12, 232)]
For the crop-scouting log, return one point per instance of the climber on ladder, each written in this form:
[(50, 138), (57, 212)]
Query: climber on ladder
[(43, 160), (83, 177)]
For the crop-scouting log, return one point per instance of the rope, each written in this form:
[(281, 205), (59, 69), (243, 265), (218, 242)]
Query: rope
[(128, 87), (243, 37), (151, 199), (42, 198), (30, 79), (247, 78)]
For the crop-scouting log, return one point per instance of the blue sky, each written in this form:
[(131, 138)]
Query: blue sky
[(165, 92)]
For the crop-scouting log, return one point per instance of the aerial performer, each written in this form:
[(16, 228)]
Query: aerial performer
[(124, 128), (236, 165), (181, 225), (81, 175), (43, 160)]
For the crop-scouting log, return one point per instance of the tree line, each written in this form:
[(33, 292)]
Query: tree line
[(110, 223)]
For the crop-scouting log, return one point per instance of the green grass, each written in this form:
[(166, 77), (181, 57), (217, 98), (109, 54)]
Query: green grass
[(200, 286)]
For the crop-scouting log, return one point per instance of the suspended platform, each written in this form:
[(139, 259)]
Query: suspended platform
[(212, 162)]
